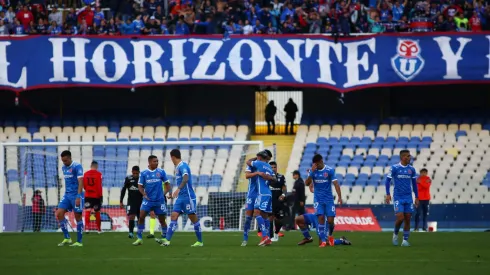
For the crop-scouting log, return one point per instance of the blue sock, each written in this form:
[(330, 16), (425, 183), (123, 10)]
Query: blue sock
[(321, 229), (79, 231), (171, 230), (306, 233), (338, 242), (331, 226), (406, 234), (141, 227), (246, 227), (64, 229), (397, 229), (261, 225), (164, 232), (267, 226), (197, 229)]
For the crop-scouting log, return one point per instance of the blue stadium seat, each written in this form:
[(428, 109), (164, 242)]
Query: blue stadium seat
[(460, 133), (216, 180), (204, 180), (321, 140)]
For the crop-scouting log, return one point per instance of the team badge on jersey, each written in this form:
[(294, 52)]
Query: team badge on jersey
[(158, 175), (69, 171), (408, 62), (409, 171), (325, 175)]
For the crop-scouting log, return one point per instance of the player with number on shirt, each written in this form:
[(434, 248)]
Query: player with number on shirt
[(92, 183), (186, 199), (322, 177), (73, 198), (263, 203), (150, 186), (405, 181), (135, 198)]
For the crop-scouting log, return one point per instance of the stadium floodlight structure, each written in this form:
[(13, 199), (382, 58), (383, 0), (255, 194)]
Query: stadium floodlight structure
[(216, 168)]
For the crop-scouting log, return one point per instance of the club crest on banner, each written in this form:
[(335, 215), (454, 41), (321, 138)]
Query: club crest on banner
[(408, 62)]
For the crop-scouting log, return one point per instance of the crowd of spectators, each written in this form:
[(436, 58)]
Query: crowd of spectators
[(133, 17)]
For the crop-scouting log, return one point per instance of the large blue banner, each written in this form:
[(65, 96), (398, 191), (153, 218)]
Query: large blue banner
[(303, 61)]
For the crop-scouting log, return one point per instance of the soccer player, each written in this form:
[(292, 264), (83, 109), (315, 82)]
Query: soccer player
[(135, 198), (322, 177), (405, 181), (73, 198), (279, 192), (251, 197), (92, 183), (263, 202), (307, 221), (186, 199), (150, 186)]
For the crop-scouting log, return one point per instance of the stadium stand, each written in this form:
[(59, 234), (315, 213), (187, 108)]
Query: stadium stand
[(454, 154), (215, 168), (149, 17)]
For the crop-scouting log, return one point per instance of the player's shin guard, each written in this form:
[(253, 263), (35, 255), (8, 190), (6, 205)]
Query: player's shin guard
[(321, 231), (171, 229), (269, 228), (131, 226), (406, 234), (64, 229), (246, 227), (97, 219), (261, 225), (153, 222), (141, 227), (197, 229), (79, 231)]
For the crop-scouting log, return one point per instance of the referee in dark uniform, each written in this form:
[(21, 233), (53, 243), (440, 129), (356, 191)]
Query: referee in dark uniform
[(299, 195), (279, 190), (135, 198)]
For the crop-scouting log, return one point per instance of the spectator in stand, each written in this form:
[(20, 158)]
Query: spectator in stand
[(475, 22), (18, 28), (451, 24), (384, 11), (71, 17), (247, 29), (25, 16), (54, 29), (375, 25), (159, 14), (56, 15), (423, 186), (98, 16), (3, 29), (397, 10), (10, 15), (181, 27), (164, 26), (461, 22), (258, 27), (86, 14), (112, 28), (41, 28), (31, 29), (390, 25)]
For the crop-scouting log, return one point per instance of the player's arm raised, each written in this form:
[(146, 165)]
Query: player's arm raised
[(309, 180)]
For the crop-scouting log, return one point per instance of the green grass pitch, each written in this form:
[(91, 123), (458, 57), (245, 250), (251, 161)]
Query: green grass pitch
[(370, 254)]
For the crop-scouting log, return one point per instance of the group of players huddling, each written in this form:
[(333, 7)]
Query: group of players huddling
[(265, 192)]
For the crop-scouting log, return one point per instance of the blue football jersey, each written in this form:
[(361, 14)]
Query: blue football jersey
[(71, 174), (322, 183), (181, 170), (402, 177), (152, 182), (252, 183), (263, 184)]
